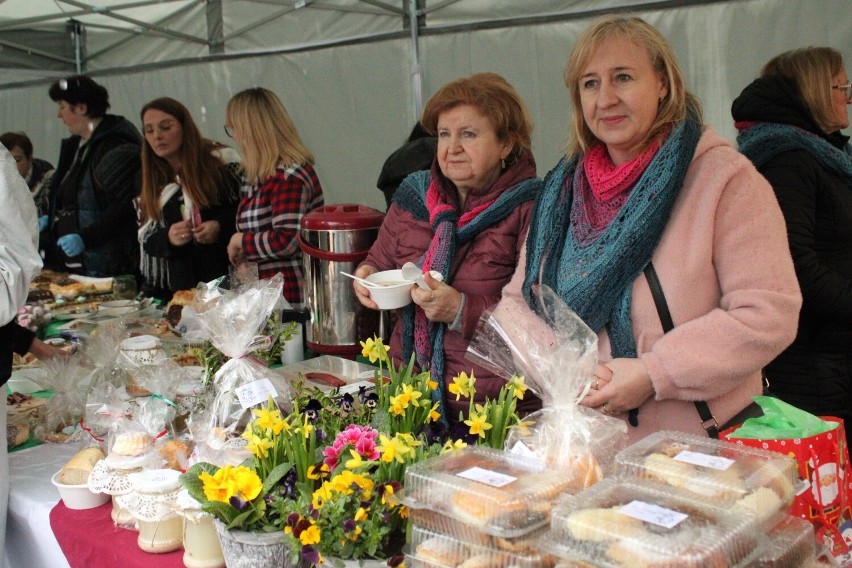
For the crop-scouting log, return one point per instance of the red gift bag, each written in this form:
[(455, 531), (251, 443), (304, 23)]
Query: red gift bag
[(823, 497)]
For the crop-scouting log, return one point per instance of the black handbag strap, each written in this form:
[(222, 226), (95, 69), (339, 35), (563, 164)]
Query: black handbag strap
[(708, 421)]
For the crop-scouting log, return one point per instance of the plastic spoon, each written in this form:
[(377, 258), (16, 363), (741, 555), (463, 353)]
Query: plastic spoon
[(366, 283), (412, 272)]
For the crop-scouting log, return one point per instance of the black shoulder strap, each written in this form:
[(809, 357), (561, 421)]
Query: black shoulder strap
[(708, 421)]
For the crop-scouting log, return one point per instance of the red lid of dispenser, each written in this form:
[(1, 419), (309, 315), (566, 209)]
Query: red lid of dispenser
[(341, 217)]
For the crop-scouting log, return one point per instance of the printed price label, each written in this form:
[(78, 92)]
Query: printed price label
[(653, 514), (255, 393), (705, 460), (486, 476)]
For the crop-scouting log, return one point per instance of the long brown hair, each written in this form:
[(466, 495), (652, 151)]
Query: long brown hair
[(267, 133), (202, 175)]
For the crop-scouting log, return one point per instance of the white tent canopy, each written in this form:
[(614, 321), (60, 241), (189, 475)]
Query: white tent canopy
[(352, 72)]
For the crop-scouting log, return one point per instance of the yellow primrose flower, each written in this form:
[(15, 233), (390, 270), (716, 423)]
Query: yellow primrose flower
[(462, 385), (248, 482), (259, 447), (374, 350), (310, 535), (220, 486), (516, 383), (361, 514), (478, 422)]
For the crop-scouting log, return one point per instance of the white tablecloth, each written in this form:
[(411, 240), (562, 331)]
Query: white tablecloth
[(29, 540)]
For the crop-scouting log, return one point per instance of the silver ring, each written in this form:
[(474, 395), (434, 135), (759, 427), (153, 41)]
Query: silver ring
[(603, 409), (597, 384)]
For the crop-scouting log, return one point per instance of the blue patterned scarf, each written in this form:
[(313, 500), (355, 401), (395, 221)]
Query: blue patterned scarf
[(764, 140), (595, 278), (412, 196)]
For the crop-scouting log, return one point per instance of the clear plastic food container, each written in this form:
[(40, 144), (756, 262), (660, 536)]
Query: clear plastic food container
[(436, 522), (790, 543), (636, 523), (430, 548), (492, 491), (735, 475)]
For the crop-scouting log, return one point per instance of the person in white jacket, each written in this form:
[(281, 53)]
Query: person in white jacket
[(19, 263)]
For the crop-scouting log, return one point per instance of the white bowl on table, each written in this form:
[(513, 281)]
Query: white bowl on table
[(78, 497), (392, 291), (118, 307)]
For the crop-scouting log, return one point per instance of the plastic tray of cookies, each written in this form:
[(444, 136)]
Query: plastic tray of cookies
[(789, 543), (430, 548), (494, 492), (640, 523), (726, 472)]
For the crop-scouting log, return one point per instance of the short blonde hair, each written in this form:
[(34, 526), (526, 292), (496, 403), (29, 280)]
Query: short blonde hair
[(673, 107), (812, 69), (267, 133), (495, 98)]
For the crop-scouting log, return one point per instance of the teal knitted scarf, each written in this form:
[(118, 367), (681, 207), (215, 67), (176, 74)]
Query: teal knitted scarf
[(595, 278), (452, 230), (764, 140)]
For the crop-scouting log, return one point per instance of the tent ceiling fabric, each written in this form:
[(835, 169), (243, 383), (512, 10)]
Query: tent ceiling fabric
[(344, 68)]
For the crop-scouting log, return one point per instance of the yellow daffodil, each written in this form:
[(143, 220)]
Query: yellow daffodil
[(451, 445), (356, 462), (266, 417), (310, 535), (259, 447), (431, 384), (397, 405), (434, 415), (374, 350), (478, 422), (462, 385), (516, 383), (411, 394)]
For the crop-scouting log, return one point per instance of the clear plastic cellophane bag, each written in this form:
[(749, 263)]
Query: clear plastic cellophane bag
[(557, 355), (233, 320), (68, 378), (101, 349)]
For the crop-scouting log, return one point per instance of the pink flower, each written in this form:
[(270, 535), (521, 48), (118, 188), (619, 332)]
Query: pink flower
[(361, 438)]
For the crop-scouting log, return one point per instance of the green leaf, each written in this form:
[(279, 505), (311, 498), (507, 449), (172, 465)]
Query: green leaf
[(275, 476)]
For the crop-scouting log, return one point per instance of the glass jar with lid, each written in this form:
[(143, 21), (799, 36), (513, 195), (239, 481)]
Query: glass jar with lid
[(152, 502)]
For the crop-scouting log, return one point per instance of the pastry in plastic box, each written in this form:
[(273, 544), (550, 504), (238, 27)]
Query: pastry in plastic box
[(642, 524), (430, 548), (745, 478), (446, 525), (790, 543), (495, 492)]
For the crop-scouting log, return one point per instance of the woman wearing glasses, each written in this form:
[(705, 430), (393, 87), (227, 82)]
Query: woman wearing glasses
[(789, 123), (190, 188), (280, 186)]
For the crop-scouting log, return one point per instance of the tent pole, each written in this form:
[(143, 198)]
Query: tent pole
[(416, 84), (77, 34)]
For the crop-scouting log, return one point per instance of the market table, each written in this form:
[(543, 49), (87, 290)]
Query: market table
[(29, 541)]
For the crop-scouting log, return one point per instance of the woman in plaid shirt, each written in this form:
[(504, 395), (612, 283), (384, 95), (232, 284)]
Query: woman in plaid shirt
[(279, 187)]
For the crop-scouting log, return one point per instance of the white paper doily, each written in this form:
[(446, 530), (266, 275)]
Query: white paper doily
[(106, 479)]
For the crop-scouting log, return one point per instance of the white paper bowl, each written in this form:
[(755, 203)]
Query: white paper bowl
[(395, 291), (25, 381), (78, 497)]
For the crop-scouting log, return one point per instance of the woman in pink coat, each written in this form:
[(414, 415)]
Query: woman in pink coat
[(645, 182)]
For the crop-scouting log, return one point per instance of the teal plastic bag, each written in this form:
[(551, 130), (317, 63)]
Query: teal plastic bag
[(781, 421)]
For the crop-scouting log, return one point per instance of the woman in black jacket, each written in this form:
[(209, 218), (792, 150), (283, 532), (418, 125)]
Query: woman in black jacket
[(789, 123), (190, 191)]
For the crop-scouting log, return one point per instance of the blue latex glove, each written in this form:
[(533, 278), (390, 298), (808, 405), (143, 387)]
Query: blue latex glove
[(42, 223), (72, 245)]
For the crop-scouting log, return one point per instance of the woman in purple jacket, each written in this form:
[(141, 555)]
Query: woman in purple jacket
[(466, 218)]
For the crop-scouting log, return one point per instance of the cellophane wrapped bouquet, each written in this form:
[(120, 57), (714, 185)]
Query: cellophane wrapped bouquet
[(232, 321), (557, 355)]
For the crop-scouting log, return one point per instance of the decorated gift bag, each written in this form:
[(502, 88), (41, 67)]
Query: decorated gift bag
[(819, 446)]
